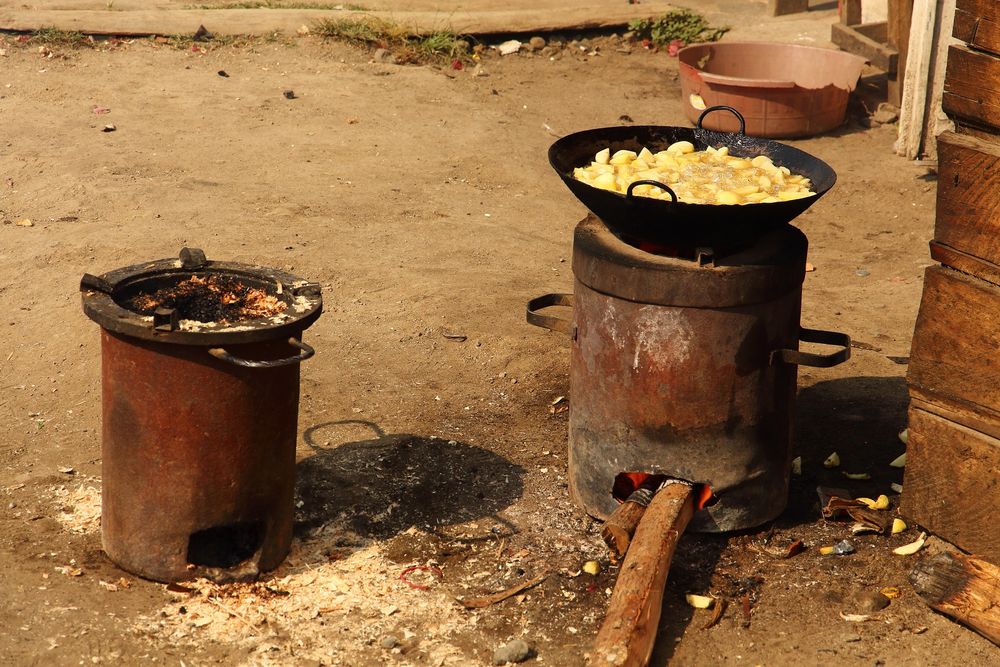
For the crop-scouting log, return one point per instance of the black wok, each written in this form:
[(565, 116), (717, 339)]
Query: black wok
[(676, 223)]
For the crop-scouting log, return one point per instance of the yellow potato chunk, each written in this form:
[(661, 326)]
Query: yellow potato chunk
[(681, 147), (623, 157), (709, 176)]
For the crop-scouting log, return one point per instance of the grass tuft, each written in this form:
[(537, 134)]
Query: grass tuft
[(680, 24), (56, 37), (379, 33)]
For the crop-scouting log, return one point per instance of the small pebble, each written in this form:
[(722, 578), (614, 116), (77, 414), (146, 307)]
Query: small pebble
[(389, 642), (109, 128), (867, 602), (864, 273), (514, 651), (536, 43), (852, 638)]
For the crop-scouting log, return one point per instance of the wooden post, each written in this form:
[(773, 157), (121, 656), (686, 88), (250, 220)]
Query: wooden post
[(966, 588), (900, 12), (782, 7), (850, 12), (629, 632)]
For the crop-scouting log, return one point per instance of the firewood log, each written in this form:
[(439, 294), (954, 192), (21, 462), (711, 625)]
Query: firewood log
[(967, 588), (628, 634)]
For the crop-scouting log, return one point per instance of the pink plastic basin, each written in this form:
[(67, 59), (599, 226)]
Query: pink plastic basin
[(783, 90)]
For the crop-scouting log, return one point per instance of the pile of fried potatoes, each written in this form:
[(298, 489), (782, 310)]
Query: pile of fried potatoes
[(711, 176)]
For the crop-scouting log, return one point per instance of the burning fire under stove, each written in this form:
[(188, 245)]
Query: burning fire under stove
[(200, 383)]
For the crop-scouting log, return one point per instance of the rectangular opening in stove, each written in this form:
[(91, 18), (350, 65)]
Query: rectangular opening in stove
[(627, 483), (225, 546)]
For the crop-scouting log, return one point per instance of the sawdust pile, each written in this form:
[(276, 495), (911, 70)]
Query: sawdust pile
[(79, 510), (327, 603)]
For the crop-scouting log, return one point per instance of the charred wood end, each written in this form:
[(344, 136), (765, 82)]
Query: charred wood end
[(941, 578)]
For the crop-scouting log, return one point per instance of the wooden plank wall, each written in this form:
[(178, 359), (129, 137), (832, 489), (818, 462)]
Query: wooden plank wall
[(954, 373)]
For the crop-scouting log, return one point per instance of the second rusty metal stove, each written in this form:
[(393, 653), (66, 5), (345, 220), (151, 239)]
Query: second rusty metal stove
[(199, 421), (686, 367)]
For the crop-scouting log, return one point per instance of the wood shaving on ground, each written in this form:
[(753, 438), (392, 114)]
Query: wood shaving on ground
[(79, 510), (318, 609)]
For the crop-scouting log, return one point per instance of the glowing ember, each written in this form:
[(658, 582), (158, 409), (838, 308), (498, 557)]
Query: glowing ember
[(211, 299)]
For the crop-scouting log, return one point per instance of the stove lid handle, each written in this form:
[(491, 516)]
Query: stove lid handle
[(550, 322), (306, 351), (816, 360)]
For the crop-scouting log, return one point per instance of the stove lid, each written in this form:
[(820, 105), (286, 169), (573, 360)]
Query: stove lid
[(167, 299), (768, 269)]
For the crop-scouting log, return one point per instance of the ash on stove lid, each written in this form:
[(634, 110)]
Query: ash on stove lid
[(194, 301)]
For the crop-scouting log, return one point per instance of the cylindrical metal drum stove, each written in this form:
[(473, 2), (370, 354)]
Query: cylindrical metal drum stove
[(685, 368), (199, 417)]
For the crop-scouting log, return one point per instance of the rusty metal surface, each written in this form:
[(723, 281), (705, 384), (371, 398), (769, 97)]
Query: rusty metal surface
[(104, 295), (688, 392), (767, 270), (192, 443)]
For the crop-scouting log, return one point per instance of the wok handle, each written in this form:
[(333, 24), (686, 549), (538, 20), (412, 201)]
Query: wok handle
[(306, 351), (662, 186), (816, 360), (722, 107), (550, 322)]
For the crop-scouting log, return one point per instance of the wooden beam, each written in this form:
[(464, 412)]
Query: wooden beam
[(266, 21), (866, 41), (967, 588), (950, 485), (898, 37), (782, 7), (972, 87), (956, 338), (979, 32), (987, 9), (850, 12), (968, 196), (918, 67)]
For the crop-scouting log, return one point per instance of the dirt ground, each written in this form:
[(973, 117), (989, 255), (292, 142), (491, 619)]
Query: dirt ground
[(421, 199)]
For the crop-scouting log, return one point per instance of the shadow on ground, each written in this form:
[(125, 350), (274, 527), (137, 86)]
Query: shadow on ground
[(692, 569), (381, 486), (859, 418)]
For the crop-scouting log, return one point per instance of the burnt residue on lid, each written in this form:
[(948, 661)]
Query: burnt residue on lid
[(192, 300)]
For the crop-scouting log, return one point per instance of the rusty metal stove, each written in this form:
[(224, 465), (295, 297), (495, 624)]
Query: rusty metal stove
[(199, 421), (685, 367)]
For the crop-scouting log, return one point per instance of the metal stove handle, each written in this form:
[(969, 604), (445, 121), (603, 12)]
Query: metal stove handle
[(817, 360), (550, 322), (656, 184), (306, 352)]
